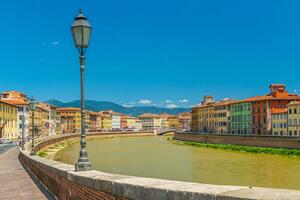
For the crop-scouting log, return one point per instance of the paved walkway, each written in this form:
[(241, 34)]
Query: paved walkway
[(15, 183), (5, 147)]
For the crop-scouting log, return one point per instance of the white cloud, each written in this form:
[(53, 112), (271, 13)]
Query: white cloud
[(183, 101), (55, 43), (169, 101), (295, 91), (145, 101), (172, 106), (127, 105)]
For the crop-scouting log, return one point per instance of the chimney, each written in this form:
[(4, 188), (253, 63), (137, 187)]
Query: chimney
[(278, 90), (208, 99)]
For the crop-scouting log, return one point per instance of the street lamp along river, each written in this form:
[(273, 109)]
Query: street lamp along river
[(81, 30), (32, 108)]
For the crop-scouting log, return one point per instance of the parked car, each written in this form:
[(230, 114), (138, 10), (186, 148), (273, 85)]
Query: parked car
[(5, 141)]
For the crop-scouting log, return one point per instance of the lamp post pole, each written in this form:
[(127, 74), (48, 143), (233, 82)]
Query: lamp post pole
[(81, 30), (33, 106), (23, 131)]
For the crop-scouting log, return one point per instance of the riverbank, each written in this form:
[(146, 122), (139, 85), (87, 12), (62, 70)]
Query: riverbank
[(240, 148)]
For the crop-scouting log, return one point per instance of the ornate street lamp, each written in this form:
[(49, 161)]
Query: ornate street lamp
[(81, 30), (23, 131), (32, 108)]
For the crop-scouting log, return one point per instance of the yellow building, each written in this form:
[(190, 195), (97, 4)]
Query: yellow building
[(71, 119), (106, 120), (164, 121), (293, 109), (131, 122), (222, 116), (203, 120), (279, 121), (99, 121), (173, 122), (8, 121)]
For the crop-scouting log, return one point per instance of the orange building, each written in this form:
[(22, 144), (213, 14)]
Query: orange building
[(71, 119), (262, 107), (93, 121)]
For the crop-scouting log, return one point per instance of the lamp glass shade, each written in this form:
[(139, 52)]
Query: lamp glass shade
[(81, 30), (32, 105)]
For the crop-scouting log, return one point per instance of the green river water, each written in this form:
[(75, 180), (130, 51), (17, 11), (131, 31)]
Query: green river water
[(155, 157)]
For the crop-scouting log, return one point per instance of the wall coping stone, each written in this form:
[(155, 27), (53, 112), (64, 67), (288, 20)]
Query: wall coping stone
[(150, 188)]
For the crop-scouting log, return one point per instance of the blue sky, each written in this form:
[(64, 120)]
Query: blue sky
[(165, 53)]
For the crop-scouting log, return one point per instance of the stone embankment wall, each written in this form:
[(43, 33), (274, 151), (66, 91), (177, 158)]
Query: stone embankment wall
[(275, 142), (64, 183)]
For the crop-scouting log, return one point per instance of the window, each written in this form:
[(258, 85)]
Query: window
[(290, 111), (295, 110), (295, 133), (290, 133), (295, 122)]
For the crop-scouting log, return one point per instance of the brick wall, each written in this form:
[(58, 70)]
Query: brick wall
[(61, 187), (280, 142)]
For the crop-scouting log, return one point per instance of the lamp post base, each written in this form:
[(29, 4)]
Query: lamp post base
[(83, 166), (32, 153)]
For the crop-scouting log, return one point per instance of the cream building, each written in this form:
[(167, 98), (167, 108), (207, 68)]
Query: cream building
[(293, 110), (279, 122)]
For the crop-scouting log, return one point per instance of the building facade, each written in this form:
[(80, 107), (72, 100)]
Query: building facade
[(71, 119), (22, 102), (279, 122), (262, 106), (293, 110), (185, 121), (222, 116), (8, 121), (241, 117)]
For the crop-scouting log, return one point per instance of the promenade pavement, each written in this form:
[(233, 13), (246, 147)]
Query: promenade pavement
[(5, 147), (15, 182)]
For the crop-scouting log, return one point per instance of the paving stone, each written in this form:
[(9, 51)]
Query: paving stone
[(15, 183)]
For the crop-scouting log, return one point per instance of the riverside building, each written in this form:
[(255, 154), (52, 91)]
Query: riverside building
[(241, 117), (184, 121), (279, 122), (8, 121), (222, 116), (150, 122), (203, 120), (263, 105), (293, 112), (71, 119), (22, 102)]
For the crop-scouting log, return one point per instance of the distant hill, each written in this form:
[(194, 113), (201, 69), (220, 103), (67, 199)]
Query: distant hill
[(106, 105)]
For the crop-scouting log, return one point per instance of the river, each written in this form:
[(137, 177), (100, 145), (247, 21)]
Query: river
[(155, 157)]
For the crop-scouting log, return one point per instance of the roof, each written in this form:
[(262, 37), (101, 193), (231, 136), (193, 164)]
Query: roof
[(147, 115), (270, 97), (15, 102), (8, 103), (62, 109)]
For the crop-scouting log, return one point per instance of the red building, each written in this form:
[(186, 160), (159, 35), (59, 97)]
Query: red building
[(263, 106)]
